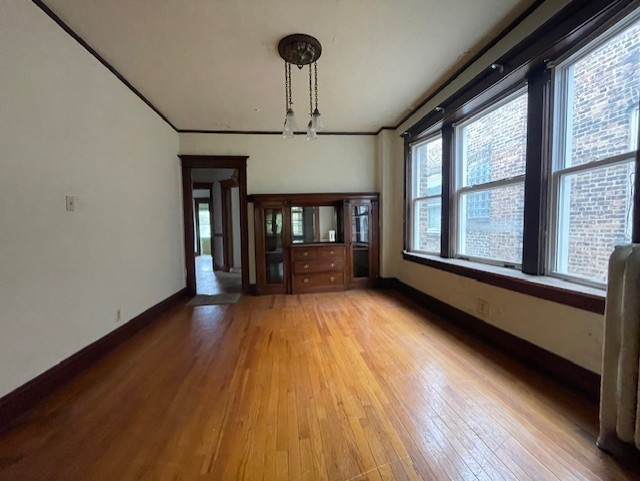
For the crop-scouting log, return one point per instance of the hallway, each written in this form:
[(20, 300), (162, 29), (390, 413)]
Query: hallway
[(210, 282)]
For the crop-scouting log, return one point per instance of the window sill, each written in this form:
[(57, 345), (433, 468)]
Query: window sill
[(544, 287)]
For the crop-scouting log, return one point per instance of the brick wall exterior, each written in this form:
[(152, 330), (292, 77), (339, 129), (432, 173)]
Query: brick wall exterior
[(605, 94), (430, 166), (495, 148)]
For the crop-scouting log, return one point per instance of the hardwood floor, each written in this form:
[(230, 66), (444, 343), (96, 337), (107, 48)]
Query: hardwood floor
[(359, 385)]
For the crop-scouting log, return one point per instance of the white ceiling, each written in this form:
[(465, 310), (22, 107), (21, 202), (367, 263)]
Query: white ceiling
[(213, 64)]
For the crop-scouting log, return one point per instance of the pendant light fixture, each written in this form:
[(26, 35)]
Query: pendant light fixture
[(300, 50)]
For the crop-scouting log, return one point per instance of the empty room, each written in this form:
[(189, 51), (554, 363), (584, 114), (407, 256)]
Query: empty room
[(340, 240)]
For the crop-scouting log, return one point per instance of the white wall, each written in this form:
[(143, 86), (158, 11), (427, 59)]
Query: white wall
[(69, 126), (333, 163), (571, 333)]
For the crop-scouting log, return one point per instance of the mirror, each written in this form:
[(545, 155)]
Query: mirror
[(315, 224)]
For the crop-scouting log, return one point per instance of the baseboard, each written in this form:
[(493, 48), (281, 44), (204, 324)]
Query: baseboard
[(17, 403), (564, 371)]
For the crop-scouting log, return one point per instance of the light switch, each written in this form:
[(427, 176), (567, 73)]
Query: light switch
[(71, 203)]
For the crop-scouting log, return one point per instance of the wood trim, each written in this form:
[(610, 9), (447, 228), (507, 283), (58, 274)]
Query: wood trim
[(202, 186), (100, 59), (568, 297), (578, 20), (538, 155), (190, 162), (446, 240), (228, 183), (635, 232), (214, 161), (422, 103), (197, 203), (518, 20), (264, 132), (407, 189), (313, 199), (227, 225), (16, 404), (550, 364)]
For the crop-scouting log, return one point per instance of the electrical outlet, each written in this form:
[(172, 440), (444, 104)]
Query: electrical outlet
[(118, 315), (483, 308)]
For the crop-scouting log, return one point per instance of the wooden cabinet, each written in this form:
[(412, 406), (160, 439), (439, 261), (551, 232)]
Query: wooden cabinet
[(315, 242), (318, 268)]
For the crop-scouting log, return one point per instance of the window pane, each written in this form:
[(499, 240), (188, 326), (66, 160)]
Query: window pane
[(428, 168), (603, 93), (491, 223), (494, 145), (595, 215), (427, 221)]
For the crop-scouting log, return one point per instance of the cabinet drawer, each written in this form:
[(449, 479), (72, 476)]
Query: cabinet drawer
[(301, 253), (302, 282), (318, 265), (331, 252)]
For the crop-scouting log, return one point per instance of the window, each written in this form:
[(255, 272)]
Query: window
[(426, 202), (297, 223), (540, 178), (597, 95), (490, 166)]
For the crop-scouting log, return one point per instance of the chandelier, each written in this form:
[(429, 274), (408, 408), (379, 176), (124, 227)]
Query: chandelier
[(300, 50)]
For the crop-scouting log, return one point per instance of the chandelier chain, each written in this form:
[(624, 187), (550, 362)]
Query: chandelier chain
[(315, 71), (290, 100), (310, 92), (286, 88)]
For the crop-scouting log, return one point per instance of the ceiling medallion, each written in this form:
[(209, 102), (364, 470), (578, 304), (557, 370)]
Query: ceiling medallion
[(300, 49)]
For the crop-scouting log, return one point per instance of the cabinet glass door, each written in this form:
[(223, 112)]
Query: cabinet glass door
[(274, 262), (360, 240)]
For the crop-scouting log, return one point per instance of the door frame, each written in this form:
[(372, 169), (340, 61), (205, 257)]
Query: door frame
[(188, 163), (206, 186), (197, 202), (227, 221)]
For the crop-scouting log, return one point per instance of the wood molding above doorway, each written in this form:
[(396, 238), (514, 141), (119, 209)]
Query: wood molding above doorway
[(190, 162)]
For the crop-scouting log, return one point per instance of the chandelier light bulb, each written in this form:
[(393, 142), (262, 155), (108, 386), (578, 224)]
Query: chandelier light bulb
[(290, 125), (316, 119), (311, 131)]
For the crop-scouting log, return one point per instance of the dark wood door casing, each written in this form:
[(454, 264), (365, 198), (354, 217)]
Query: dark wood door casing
[(190, 162)]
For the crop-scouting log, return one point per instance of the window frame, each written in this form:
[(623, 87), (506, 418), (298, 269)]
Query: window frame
[(458, 168), (532, 62), (562, 143), (413, 200)]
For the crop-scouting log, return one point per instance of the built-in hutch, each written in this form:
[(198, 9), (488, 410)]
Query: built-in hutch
[(315, 242)]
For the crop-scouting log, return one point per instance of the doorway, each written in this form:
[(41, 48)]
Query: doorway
[(216, 225)]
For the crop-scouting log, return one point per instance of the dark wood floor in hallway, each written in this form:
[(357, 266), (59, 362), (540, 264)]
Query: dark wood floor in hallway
[(360, 385)]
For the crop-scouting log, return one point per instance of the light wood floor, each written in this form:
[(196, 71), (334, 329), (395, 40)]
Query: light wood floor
[(350, 386)]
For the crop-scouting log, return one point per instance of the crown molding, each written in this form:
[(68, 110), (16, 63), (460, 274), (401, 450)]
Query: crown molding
[(422, 103)]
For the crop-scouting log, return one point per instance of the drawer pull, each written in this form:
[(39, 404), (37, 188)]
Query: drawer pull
[(305, 254), (332, 278), (333, 264), (332, 252), (306, 266), (305, 280)]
